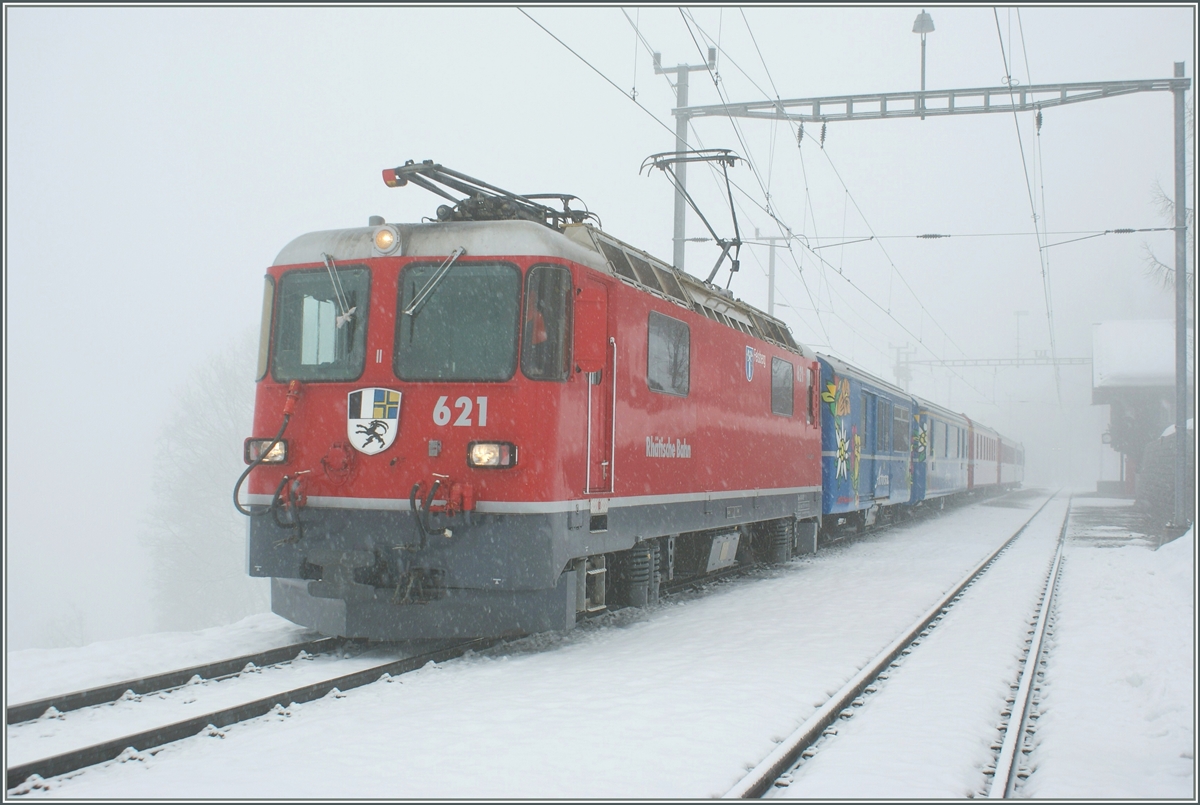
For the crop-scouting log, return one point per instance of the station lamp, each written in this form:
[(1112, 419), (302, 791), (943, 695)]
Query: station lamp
[(923, 25)]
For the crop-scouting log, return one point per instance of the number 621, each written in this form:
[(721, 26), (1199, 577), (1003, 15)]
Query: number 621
[(442, 413)]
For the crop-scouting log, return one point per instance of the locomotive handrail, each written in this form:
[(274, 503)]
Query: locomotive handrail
[(587, 478), (612, 442)]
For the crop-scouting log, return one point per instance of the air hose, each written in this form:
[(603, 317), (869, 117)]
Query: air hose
[(420, 514), (289, 408)]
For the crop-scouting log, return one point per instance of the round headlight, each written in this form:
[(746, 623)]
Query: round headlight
[(485, 455), (491, 454), (386, 239)]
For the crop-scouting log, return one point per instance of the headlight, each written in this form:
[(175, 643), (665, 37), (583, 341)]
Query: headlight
[(387, 240), (491, 454), (253, 448)]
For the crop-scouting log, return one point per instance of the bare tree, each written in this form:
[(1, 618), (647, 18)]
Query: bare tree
[(1157, 270), (68, 629), (195, 539)]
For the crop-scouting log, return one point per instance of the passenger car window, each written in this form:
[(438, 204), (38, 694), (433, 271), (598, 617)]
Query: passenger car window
[(883, 419), (901, 434), (668, 355)]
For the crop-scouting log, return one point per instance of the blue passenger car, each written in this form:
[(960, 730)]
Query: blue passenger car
[(940, 452), (866, 444)]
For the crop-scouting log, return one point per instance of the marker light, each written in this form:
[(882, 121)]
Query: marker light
[(392, 180), (491, 454), (386, 240), (253, 448)]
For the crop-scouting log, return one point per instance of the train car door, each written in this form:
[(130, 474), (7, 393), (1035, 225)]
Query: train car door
[(922, 456), (971, 439), (867, 425), (883, 448), (596, 358)]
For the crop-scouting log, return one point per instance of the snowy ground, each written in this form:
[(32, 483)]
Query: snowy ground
[(679, 700), (928, 731), (1119, 706)]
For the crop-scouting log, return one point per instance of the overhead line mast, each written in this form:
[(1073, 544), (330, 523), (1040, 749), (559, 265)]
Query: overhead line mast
[(681, 147), (978, 100), (1006, 100)]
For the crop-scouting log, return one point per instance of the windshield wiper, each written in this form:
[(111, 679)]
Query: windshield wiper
[(339, 293), (427, 289)]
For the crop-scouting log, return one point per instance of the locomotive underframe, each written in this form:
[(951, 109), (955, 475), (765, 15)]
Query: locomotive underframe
[(365, 574)]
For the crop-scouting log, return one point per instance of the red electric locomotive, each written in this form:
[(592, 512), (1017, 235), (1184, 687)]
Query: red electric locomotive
[(488, 424)]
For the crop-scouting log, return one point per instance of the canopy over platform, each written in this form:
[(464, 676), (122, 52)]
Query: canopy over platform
[(1138, 353)]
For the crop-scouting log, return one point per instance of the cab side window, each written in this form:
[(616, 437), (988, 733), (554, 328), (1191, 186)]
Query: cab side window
[(546, 324)]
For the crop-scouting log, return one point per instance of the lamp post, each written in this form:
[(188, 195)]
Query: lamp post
[(923, 25)]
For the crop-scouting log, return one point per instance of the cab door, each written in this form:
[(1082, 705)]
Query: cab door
[(595, 352)]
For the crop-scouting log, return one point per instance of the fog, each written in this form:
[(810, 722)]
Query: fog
[(157, 159)]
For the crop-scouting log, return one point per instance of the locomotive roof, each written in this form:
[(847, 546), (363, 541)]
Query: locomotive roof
[(438, 240), (579, 243)]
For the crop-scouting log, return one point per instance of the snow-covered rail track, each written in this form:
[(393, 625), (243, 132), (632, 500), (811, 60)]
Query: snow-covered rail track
[(103, 694), (149, 740), (793, 749), (1017, 731), (841, 536)]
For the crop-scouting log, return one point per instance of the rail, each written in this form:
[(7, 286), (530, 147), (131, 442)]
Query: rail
[(103, 694), (762, 777), (159, 736), (1007, 771)]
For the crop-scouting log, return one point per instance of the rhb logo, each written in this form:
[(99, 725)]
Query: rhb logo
[(753, 356), (372, 417)]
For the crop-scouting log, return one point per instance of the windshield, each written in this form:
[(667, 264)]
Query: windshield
[(310, 344), (465, 329)]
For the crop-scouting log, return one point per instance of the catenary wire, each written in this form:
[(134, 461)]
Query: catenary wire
[(765, 209), (891, 263), (894, 268), (1033, 210)]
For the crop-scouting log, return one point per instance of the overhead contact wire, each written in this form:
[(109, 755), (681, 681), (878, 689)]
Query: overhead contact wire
[(1033, 210), (891, 263), (769, 212)]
